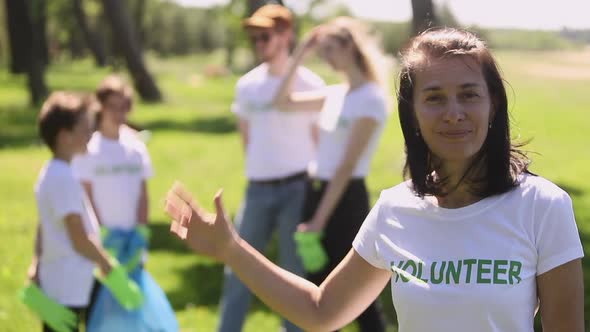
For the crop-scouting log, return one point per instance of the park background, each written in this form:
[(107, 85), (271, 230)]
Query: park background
[(184, 57)]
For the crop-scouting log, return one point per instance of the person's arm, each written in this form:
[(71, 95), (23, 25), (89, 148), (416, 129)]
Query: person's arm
[(88, 189), (287, 100), (243, 127), (362, 131), (345, 293), (142, 207), (561, 298), (85, 245), (33, 270)]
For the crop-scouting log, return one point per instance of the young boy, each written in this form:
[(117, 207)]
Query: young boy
[(67, 247)]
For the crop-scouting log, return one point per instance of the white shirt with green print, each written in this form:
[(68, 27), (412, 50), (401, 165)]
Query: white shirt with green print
[(472, 268)]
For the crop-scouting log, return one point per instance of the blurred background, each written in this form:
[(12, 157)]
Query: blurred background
[(184, 57)]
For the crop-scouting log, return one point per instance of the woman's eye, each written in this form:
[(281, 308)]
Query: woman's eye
[(434, 99), (469, 95)]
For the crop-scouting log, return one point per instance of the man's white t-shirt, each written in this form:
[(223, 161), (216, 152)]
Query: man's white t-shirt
[(341, 109), (64, 275), (472, 268), (279, 143), (116, 170)]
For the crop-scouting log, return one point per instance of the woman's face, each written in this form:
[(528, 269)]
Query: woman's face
[(336, 54), (453, 107)]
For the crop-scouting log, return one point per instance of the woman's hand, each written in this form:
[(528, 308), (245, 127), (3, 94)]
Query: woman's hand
[(205, 233), (309, 44), (310, 226)]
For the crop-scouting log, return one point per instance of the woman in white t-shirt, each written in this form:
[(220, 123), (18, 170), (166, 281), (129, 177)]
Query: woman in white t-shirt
[(350, 123), (471, 242)]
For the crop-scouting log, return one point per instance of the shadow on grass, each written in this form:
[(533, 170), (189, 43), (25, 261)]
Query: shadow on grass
[(163, 240), (18, 126), (201, 283), (212, 125)]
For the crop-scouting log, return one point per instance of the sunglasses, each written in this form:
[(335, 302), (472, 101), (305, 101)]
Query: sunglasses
[(263, 37)]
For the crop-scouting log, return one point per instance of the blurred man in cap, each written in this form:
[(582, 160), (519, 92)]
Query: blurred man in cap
[(278, 147)]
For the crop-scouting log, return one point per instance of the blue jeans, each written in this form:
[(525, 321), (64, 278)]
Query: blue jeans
[(267, 207)]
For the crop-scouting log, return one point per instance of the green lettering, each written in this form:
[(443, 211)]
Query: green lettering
[(481, 270), (397, 269), (499, 271), (405, 273), (453, 271), (514, 271), (469, 263), (420, 266), (433, 277)]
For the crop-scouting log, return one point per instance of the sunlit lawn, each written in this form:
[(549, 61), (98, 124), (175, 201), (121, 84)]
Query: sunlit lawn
[(194, 140)]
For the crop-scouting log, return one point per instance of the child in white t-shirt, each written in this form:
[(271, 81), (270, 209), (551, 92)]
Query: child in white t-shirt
[(114, 174), (115, 169), (67, 245)]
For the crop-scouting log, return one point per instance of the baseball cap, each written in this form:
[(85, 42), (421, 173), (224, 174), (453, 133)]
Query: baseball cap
[(267, 15)]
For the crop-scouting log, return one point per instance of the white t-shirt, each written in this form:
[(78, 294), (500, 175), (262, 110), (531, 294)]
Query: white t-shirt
[(280, 143), (116, 170), (472, 268), (341, 109), (64, 275)]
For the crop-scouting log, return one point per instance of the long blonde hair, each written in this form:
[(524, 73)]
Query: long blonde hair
[(369, 56)]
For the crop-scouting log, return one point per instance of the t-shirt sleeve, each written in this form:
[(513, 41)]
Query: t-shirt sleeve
[(82, 167), (66, 197), (365, 243), (238, 106), (310, 80), (557, 238), (372, 106), (146, 160)]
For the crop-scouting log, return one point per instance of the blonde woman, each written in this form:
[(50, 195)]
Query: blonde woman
[(351, 119)]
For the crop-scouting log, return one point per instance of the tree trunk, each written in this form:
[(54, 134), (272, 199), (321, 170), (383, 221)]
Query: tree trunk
[(26, 29), (93, 40), (125, 37), (139, 15), (19, 34), (253, 5), (423, 16), (38, 57)]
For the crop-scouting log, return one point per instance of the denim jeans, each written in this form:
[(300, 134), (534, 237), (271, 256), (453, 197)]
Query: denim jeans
[(267, 207)]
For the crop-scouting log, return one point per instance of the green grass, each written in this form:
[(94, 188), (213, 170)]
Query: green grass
[(194, 140)]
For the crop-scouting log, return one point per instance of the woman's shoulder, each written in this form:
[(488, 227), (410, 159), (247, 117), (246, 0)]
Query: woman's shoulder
[(540, 189), (399, 195)]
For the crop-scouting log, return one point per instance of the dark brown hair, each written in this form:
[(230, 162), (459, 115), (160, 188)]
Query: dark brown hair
[(496, 167), (61, 111)]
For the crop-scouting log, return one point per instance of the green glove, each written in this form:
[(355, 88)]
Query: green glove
[(123, 289), (309, 248), (55, 315)]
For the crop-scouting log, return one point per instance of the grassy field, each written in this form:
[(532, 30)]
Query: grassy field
[(194, 140)]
